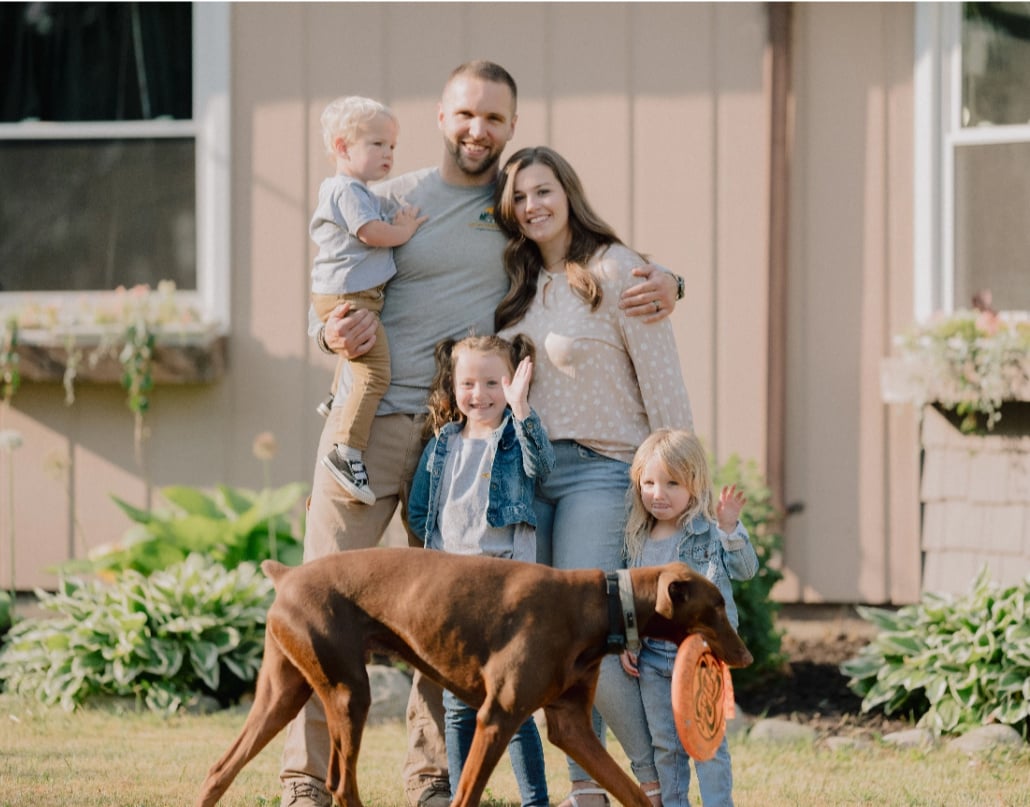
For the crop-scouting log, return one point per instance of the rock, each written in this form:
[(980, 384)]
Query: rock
[(201, 705), (777, 730), (911, 738), (843, 743), (986, 738), (390, 690), (738, 725)]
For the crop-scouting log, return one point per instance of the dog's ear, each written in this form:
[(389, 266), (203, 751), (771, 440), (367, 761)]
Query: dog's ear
[(671, 589)]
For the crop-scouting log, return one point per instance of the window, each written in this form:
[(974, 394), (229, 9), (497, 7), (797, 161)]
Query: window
[(114, 149), (972, 154)]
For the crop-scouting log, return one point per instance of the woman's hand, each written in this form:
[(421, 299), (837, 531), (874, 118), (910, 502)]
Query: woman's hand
[(654, 298), (628, 661), (516, 391), (350, 332)]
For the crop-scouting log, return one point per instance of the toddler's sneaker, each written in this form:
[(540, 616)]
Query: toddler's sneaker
[(351, 474), (325, 407)]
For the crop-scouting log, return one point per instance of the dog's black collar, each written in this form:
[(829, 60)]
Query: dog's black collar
[(616, 641)]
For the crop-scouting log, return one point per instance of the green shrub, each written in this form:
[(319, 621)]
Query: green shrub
[(6, 613), (757, 610), (955, 663), (232, 526), (194, 628)]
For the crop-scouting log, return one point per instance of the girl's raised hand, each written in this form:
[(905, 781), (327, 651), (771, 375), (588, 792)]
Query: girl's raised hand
[(516, 391), (731, 503)]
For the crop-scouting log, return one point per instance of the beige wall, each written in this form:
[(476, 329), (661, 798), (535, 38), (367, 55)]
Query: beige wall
[(850, 462), (664, 110)]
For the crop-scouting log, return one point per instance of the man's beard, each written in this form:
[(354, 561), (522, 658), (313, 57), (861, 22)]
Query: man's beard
[(488, 164)]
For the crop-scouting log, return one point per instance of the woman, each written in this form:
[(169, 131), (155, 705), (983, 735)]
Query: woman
[(603, 383)]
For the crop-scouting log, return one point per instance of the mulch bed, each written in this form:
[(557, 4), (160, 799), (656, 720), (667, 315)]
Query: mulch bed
[(813, 691)]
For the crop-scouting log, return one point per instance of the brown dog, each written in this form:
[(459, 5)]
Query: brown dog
[(506, 637)]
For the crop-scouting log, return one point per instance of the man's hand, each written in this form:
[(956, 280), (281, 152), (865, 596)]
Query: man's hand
[(654, 298), (350, 333)]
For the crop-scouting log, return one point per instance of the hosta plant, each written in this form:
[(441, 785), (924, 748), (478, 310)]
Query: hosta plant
[(953, 662), (231, 525), (195, 628)]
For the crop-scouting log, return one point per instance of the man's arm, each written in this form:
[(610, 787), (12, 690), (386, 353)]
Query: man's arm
[(659, 286)]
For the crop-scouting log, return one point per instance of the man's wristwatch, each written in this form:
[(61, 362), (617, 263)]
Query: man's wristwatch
[(322, 344), (680, 285)]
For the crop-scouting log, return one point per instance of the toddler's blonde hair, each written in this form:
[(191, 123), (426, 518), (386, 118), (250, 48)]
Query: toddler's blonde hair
[(345, 116), (686, 461)]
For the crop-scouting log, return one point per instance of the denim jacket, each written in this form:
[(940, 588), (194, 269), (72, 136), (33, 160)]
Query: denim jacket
[(718, 556), (522, 455)]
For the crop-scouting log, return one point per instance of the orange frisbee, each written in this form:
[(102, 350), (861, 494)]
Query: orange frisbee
[(702, 698)]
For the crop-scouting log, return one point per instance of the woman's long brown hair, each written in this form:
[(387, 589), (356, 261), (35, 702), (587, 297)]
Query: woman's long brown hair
[(522, 260)]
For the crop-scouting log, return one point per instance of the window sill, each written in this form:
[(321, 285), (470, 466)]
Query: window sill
[(192, 356)]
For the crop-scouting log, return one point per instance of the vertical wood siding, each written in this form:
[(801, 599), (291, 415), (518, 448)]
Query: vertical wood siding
[(663, 109)]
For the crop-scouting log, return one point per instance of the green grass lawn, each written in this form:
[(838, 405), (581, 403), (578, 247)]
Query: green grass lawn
[(49, 758)]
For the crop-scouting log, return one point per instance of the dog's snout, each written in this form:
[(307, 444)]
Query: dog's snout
[(743, 660)]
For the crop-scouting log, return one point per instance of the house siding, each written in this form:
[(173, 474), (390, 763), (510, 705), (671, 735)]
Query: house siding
[(975, 491), (663, 108)]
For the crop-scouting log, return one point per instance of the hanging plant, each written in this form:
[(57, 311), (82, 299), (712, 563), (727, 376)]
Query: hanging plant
[(124, 326), (10, 378), (136, 359)]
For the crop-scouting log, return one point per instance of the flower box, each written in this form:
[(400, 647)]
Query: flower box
[(193, 356), (134, 337), (968, 362)]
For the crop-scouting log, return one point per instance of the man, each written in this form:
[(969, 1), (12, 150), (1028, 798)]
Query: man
[(449, 279)]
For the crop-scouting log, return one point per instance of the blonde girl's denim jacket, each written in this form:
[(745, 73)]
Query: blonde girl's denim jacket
[(522, 455), (719, 556)]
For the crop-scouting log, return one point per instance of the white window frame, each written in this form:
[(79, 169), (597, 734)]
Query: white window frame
[(210, 130), (938, 132)]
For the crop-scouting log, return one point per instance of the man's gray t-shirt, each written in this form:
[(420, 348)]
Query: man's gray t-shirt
[(450, 278)]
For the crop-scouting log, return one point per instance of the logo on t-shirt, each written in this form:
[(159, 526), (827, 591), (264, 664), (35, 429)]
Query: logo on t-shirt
[(486, 220)]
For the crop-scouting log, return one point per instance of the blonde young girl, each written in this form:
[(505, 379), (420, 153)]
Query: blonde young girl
[(674, 515), (473, 494)]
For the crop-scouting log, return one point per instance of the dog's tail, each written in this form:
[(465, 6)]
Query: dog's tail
[(274, 570)]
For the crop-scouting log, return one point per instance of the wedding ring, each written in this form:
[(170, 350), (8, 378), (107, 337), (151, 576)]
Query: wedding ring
[(657, 306)]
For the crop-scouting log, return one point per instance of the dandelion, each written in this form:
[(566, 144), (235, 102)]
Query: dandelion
[(265, 447)]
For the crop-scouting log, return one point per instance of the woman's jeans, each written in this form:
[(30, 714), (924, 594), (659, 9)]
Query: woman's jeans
[(581, 524), (715, 777), (525, 750)]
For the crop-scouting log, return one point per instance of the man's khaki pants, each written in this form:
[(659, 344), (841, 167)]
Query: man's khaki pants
[(336, 522)]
